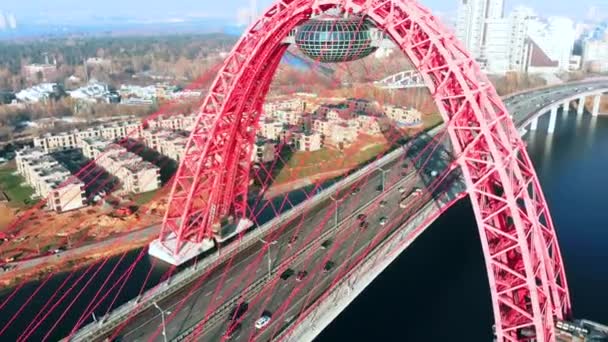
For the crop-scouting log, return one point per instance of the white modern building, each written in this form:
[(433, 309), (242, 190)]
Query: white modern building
[(50, 180), (471, 24), (519, 42)]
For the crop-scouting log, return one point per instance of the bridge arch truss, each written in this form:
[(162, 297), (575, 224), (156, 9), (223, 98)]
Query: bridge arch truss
[(524, 265)]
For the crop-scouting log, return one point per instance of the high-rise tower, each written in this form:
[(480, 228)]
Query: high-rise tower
[(472, 23)]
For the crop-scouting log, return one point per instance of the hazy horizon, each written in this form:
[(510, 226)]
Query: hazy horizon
[(73, 10)]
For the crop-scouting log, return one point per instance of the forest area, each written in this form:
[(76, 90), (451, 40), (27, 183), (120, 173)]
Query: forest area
[(182, 57)]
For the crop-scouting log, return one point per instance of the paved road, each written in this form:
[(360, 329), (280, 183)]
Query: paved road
[(248, 275), (249, 272)]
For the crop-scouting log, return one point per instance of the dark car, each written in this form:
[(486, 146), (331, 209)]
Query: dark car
[(328, 266), (288, 273), (361, 217), (326, 244), (238, 311), (379, 188), (364, 225)]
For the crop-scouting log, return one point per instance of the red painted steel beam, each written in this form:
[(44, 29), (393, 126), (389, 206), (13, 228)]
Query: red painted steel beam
[(524, 265)]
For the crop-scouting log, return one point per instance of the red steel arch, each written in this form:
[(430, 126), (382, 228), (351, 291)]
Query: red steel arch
[(525, 270)]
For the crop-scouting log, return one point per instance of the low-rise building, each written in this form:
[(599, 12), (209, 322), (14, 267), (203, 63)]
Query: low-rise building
[(40, 72), (56, 142), (51, 180), (178, 122), (38, 93), (362, 105), (71, 140), (272, 130), (403, 117), (135, 174), (95, 92), (264, 150), (323, 126), (371, 124), (310, 141), (171, 144), (342, 135)]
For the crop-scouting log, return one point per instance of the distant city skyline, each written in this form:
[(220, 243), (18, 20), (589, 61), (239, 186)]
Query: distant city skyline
[(71, 10)]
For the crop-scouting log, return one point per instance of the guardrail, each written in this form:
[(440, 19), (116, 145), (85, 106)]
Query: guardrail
[(106, 323), (250, 291), (116, 317)]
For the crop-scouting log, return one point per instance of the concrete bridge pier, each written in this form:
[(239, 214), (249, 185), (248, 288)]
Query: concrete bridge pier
[(552, 120), (581, 106), (565, 109), (534, 124), (596, 105)]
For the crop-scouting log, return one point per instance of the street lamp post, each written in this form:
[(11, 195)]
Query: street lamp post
[(162, 317), (268, 244)]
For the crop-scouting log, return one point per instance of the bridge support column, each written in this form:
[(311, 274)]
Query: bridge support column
[(565, 109), (596, 105), (581, 106), (534, 124), (552, 120)]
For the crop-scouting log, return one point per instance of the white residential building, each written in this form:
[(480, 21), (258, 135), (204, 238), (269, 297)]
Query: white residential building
[(498, 47), (179, 122), (310, 142), (50, 180), (135, 174), (595, 50), (264, 151), (70, 140), (272, 130), (471, 23), (37, 93), (403, 117)]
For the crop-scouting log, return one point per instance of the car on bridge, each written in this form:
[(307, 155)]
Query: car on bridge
[(328, 266), (263, 321)]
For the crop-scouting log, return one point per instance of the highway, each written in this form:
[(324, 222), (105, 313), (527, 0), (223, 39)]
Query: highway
[(248, 275)]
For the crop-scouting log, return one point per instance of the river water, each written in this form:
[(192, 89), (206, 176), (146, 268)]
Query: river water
[(436, 290)]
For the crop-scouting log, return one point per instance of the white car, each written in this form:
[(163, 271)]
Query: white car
[(401, 189), (262, 322)]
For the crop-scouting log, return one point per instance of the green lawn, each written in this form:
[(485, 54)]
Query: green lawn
[(144, 197), (14, 187)]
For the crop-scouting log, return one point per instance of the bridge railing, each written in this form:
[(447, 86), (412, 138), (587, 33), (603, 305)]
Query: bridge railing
[(106, 323)]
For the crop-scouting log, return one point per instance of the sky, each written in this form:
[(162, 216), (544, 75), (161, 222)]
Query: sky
[(154, 9)]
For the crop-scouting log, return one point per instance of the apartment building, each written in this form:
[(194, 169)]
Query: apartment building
[(343, 134), (371, 124), (323, 126), (309, 141), (290, 117), (135, 174), (171, 144), (403, 117), (71, 140), (264, 150), (174, 147), (272, 130), (178, 122), (296, 105), (362, 105), (51, 180), (56, 142)]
